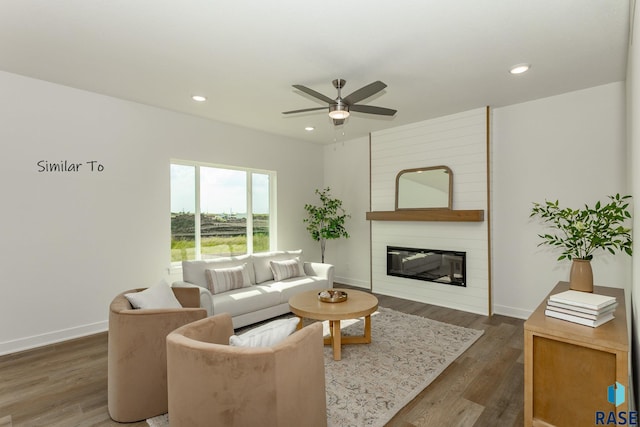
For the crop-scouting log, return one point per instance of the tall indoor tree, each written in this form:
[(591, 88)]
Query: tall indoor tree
[(327, 220)]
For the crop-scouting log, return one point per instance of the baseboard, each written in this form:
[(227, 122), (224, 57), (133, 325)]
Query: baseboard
[(352, 282), (497, 309), (54, 337), (512, 311)]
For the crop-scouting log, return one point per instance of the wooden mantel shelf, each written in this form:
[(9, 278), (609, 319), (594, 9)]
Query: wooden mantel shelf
[(428, 215)]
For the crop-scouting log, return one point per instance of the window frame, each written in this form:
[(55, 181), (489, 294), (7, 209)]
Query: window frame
[(249, 201)]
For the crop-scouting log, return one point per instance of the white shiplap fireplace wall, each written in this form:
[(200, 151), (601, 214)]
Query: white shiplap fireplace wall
[(458, 141)]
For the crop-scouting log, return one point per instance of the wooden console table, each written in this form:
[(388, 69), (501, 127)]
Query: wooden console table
[(568, 367)]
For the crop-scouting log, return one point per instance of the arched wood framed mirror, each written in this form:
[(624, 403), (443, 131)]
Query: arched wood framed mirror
[(424, 188)]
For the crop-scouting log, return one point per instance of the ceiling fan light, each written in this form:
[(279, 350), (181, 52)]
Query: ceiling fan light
[(520, 68), (338, 115), (338, 112)]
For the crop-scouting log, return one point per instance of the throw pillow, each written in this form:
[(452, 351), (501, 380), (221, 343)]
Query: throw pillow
[(286, 269), (226, 279), (196, 271), (266, 335), (261, 262), (156, 296)]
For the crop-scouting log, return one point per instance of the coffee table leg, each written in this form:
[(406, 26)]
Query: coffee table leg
[(300, 323), (337, 340), (367, 329)]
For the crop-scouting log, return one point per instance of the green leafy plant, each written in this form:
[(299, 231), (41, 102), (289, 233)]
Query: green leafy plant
[(580, 232), (326, 221)]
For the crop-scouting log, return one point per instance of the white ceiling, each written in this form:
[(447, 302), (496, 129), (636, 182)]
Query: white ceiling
[(437, 57)]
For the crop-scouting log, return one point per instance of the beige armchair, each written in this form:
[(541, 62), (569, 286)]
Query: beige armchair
[(137, 357), (214, 384)]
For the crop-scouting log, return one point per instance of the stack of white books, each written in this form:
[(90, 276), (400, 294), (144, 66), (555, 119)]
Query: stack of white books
[(581, 307)]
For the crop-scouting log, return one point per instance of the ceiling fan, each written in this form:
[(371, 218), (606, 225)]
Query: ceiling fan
[(340, 107)]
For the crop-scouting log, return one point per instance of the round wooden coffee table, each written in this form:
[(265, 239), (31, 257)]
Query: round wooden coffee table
[(358, 304)]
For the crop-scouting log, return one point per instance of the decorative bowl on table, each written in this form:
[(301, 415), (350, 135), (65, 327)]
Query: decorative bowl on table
[(332, 295)]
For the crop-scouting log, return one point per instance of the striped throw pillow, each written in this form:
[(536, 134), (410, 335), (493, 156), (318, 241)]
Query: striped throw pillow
[(286, 269), (225, 279)]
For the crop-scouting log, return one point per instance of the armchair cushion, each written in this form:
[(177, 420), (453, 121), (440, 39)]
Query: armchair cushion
[(157, 296), (266, 335)]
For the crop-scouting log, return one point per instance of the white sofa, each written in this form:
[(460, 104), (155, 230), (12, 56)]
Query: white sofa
[(263, 297)]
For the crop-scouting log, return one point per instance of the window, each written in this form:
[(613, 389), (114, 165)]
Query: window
[(215, 208)]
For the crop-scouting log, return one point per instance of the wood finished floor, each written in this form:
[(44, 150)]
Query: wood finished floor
[(66, 384)]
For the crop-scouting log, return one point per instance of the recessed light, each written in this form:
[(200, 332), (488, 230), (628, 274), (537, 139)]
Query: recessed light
[(199, 98), (520, 68), (309, 128)]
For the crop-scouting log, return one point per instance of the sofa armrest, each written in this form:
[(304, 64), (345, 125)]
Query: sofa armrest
[(206, 300), (319, 269)]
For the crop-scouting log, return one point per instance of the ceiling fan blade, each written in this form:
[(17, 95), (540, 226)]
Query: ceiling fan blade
[(364, 92), (304, 110), (315, 94), (370, 109)]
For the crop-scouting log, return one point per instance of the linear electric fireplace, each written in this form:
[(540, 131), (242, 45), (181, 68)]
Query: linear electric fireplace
[(432, 265)]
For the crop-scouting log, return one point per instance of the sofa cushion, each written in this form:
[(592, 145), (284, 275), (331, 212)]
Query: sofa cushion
[(157, 296), (194, 271), (266, 335), (225, 279), (286, 269), (289, 287), (245, 300), (262, 263)]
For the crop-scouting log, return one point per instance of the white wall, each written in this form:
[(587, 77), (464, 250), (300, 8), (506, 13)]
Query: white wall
[(72, 241), (569, 147), (346, 172)]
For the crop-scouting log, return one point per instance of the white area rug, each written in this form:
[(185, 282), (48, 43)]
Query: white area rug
[(374, 381)]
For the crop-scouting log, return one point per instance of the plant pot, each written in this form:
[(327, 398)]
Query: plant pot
[(581, 276)]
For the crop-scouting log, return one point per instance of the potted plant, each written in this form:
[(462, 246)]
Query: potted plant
[(582, 232), (327, 220)]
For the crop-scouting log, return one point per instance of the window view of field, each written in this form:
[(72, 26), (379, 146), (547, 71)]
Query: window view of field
[(225, 199), (220, 234)]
